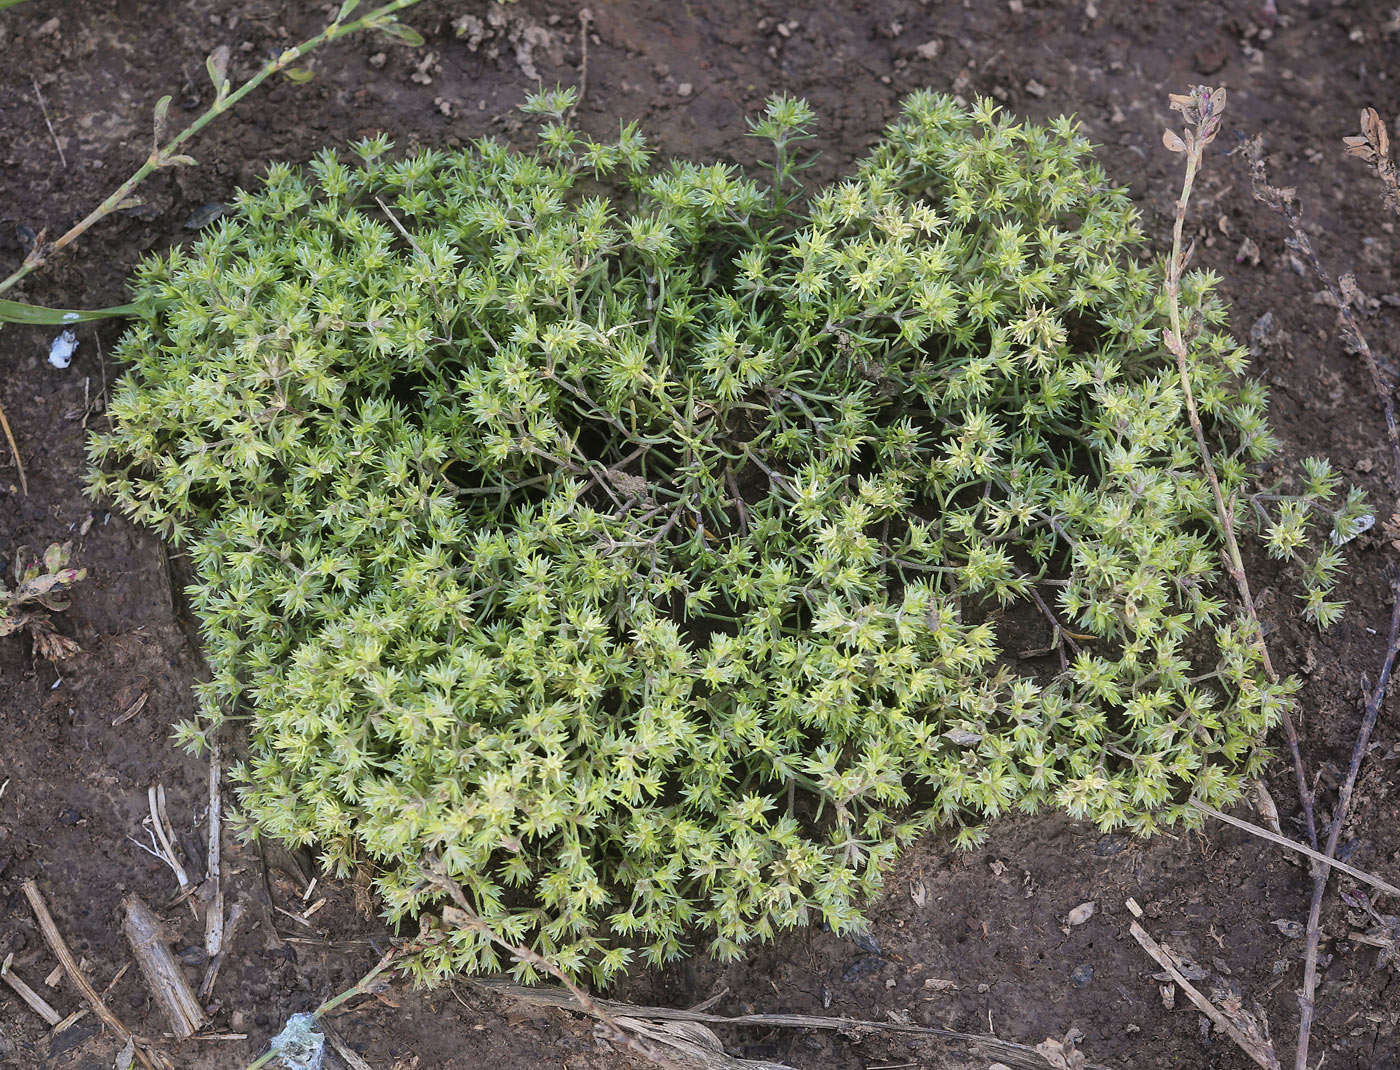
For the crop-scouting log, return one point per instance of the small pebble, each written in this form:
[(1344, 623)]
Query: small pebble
[(70, 816), (685, 89), (1082, 975)]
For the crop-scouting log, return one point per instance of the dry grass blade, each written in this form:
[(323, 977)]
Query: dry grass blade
[(1250, 1042), (132, 710), (70, 965), (14, 450), (158, 966)]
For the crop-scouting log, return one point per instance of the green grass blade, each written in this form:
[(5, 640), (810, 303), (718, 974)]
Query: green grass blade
[(19, 312)]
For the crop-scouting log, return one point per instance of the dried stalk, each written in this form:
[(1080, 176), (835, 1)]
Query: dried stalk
[(168, 155), (1255, 1046), (463, 916), (211, 972), (70, 966), (1202, 108), (165, 834), (1339, 820), (162, 973), (1293, 845), (359, 988), (214, 907), (1285, 203)]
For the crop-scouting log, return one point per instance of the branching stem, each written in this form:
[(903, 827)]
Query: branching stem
[(168, 155)]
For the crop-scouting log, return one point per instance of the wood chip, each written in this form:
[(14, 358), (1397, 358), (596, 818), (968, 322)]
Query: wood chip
[(158, 966)]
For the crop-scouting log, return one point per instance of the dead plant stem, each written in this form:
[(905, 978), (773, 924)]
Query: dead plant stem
[(70, 966), (1202, 109), (466, 917), (1293, 845)]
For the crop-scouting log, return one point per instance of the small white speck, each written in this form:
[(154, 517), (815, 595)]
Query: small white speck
[(61, 351), (1360, 524), (70, 317)]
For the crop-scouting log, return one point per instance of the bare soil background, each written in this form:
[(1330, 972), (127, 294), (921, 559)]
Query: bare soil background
[(972, 942)]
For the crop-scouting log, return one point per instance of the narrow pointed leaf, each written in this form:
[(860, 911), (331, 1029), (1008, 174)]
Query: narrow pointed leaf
[(19, 312)]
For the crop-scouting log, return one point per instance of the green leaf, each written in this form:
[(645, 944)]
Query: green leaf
[(299, 75), (162, 107), (19, 312), (216, 63), (407, 34), (345, 9)]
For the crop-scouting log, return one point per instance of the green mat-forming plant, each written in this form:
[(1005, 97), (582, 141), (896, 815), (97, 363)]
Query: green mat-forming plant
[(637, 545)]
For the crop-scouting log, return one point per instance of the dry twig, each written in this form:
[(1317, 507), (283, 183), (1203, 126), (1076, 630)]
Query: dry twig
[(463, 916), (1244, 1031), (1302, 849), (70, 965), (1339, 820), (36, 1002), (1022, 1055), (585, 23)]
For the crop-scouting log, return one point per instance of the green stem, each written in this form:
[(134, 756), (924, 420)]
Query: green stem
[(164, 156), (359, 988)]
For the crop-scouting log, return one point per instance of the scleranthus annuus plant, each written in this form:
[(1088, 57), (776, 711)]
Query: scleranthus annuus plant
[(637, 561)]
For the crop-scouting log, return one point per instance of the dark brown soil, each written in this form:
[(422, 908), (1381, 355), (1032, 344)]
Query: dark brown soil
[(967, 941)]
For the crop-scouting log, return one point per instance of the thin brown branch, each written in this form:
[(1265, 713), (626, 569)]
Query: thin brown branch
[(585, 24), (463, 916), (1339, 819)]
